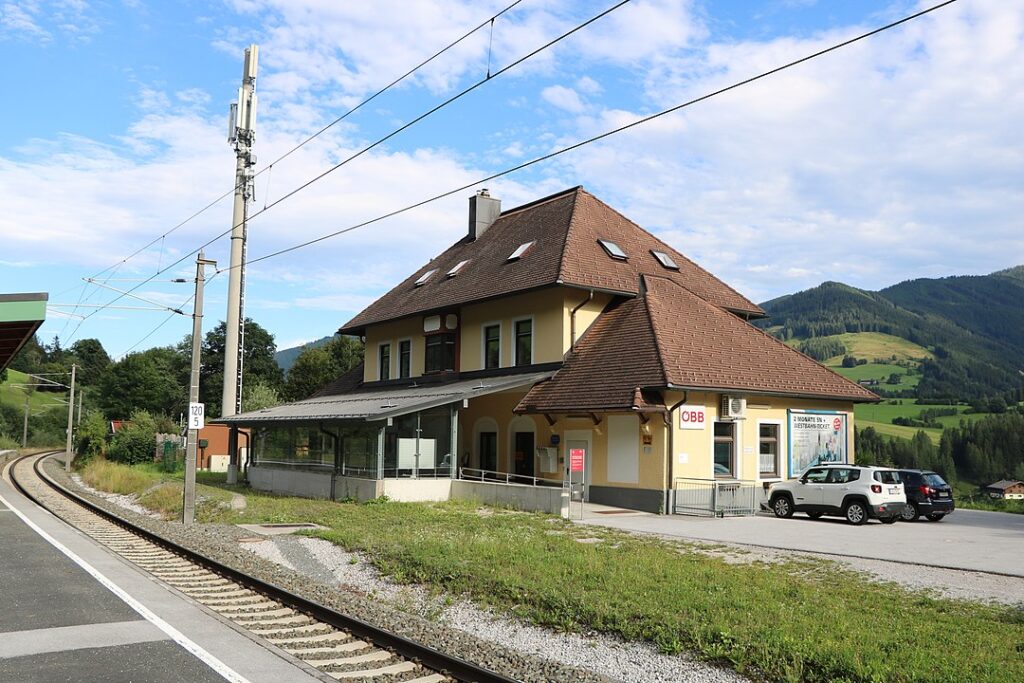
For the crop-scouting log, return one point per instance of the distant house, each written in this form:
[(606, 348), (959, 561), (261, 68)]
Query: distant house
[(868, 382), (1006, 489)]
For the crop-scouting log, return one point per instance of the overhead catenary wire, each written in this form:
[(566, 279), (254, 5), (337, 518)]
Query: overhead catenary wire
[(371, 146), (315, 135), (601, 136)]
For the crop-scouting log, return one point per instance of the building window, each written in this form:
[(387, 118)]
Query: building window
[(492, 347), (440, 353), (725, 449), (768, 438), (489, 451), (405, 358), (524, 342), (384, 361)]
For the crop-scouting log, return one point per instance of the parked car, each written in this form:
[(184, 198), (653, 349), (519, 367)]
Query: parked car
[(928, 494), (856, 492)]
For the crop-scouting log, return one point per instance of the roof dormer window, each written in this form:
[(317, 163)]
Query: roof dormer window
[(665, 260), (613, 250), (520, 250), (423, 278), (457, 267)]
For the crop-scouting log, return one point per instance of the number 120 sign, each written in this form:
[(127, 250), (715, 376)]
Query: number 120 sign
[(692, 417), (196, 415)]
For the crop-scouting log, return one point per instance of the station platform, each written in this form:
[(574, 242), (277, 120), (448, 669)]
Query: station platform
[(74, 611)]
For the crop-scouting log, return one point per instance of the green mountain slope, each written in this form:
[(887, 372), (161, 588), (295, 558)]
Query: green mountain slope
[(973, 325), (286, 357)]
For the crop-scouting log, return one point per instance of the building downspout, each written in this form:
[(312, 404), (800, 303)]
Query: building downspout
[(572, 319), (670, 423)]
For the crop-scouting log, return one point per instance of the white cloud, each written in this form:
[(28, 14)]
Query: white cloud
[(563, 98)]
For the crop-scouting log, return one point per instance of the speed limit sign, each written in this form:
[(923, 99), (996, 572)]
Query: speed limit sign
[(196, 415)]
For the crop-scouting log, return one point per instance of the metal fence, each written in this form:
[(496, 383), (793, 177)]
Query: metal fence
[(716, 498), (473, 474)]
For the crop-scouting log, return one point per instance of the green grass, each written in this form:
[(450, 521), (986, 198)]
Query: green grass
[(159, 491), (792, 621), (872, 345), (880, 372), (15, 396), (880, 415)]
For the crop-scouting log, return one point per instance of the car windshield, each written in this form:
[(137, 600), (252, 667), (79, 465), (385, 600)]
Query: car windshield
[(933, 479), (887, 476)]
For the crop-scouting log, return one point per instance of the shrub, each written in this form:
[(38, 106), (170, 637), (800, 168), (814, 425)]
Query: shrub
[(91, 439), (136, 441)]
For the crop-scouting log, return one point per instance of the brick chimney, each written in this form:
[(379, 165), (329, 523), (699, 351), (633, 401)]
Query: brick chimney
[(483, 211)]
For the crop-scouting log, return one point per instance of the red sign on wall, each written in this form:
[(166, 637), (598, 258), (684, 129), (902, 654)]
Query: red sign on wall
[(837, 424), (576, 459)]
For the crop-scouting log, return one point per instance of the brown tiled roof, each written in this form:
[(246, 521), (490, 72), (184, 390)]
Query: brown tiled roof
[(347, 382), (566, 227), (672, 338)]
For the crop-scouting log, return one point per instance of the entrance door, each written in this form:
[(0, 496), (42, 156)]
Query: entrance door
[(523, 454), (570, 446), (489, 451)]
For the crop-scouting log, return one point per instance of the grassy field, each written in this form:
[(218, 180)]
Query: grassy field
[(790, 621), (15, 396), (880, 372), (873, 345), (880, 417)]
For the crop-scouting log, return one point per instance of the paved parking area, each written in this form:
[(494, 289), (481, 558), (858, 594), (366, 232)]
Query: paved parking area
[(970, 540)]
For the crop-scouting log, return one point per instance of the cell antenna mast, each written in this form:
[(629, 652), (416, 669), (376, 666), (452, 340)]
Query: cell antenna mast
[(241, 133)]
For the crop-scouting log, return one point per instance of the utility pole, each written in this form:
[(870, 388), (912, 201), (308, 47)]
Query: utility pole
[(241, 133), (24, 428), (71, 416), (78, 421), (188, 512)]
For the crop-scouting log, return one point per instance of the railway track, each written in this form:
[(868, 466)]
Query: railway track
[(340, 646)]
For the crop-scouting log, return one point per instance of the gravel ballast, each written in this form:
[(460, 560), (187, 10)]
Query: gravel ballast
[(500, 643)]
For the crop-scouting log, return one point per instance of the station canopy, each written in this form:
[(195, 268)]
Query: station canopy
[(20, 317), (383, 401)]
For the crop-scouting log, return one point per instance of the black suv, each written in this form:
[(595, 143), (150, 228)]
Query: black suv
[(928, 494)]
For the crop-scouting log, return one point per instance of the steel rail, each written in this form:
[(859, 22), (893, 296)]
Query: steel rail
[(426, 656)]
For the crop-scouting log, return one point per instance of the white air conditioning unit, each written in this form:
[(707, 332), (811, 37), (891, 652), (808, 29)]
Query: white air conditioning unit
[(733, 408)]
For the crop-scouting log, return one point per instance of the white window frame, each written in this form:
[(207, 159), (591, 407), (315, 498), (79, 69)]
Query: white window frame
[(533, 340), (398, 356), (483, 343), (778, 456), (391, 359)]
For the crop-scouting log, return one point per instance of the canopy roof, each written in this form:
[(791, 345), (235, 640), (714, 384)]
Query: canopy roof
[(383, 401), (20, 317)]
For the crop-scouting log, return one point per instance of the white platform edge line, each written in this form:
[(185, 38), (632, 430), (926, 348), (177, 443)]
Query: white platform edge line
[(222, 669)]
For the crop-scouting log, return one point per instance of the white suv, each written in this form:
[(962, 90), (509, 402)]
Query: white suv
[(856, 492)]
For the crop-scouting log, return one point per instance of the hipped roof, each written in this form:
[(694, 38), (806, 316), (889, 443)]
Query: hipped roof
[(671, 338), (566, 227)]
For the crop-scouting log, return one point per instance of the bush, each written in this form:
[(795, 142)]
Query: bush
[(91, 439), (8, 444), (136, 441)]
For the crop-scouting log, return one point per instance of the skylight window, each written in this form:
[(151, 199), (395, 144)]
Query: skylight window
[(613, 250), (457, 267), (521, 249), (665, 260), (426, 276)]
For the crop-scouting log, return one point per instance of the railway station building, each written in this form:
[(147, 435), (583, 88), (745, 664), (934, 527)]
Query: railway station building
[(559, 340), (20, 317)]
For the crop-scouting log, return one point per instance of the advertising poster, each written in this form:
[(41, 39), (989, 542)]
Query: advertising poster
[(816, 437)]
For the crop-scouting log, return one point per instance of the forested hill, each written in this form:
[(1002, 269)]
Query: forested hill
[(974, 326)]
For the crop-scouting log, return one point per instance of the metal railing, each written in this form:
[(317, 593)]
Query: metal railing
[(491, 476), (716, 497)]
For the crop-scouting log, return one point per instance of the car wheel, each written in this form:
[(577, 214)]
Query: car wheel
[(889, 520), (935, 517), (782, 507), (855, 512), (815, 515), (909, 513)]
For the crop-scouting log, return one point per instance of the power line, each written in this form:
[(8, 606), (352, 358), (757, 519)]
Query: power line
[(606, 134), (378, 93), (380, 141), (438, 107), (164, 321)]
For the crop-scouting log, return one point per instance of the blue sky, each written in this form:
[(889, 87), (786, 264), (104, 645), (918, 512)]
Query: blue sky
[(897, 158)]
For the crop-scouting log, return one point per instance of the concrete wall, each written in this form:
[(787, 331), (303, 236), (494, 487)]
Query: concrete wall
[(529, 498), (416, 490), (290, 482)]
